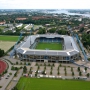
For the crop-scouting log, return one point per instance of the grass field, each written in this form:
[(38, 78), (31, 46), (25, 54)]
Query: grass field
[(2, 27), (8, 38), (51, 84), (50, 46)]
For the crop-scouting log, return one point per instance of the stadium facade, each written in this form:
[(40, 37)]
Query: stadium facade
[(27, 52)]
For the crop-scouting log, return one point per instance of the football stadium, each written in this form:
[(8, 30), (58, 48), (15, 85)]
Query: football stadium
[(48, 48)]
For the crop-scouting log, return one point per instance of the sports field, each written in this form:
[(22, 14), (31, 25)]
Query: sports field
[(49, 46), (3, 66), (51, 84), (8, 38)]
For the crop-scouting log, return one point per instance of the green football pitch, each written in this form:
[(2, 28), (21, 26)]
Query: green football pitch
[(51, 84), (8, 38), (49, 46)]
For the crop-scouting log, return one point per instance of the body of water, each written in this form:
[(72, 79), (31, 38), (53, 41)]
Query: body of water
[(68, 13)]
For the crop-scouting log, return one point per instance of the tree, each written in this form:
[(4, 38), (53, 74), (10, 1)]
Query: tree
[(72, 73), (36, 64), (25, 63), (80, 73), (71, 69), (78, 68), (52, 30), (85, 68), (53, 64), (41, 31), (12, 68), (58, 73), (24, 69), (60, 65), (29, 64), (88, 75), (49, 64), (17, 63), (1, 52), (81, 29), (20, 63), (64, 68), (45, 68), (62, 32), (15, 74), (51, 72), (58, 68), (51, 67), (15, 88), (38, 67), (65, 73), (44, 64)]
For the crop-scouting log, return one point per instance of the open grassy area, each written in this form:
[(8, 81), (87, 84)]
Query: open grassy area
[(2, 27), (51, 84), (50, 46), (8, 38)]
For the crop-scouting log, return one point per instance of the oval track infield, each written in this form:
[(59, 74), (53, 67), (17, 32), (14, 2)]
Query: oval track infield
[(3, 66)]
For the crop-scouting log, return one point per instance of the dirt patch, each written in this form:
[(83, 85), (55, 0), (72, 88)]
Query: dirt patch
[(5, 45)]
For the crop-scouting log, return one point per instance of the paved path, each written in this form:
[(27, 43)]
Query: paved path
[(15, 80)]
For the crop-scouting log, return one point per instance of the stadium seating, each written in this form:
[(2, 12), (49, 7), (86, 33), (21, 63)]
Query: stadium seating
[(49, 40)]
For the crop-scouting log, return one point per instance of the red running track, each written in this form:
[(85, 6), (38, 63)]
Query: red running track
[(3, 66)]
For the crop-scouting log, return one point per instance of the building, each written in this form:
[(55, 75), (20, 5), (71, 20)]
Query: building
[(2, 23), (21, 18), (26, 51)]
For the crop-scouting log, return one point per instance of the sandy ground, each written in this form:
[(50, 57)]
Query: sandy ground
[(5, 45)]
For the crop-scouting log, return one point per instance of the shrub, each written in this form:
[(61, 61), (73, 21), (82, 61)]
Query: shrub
[(20, 63), (12, 68), (71, 69), (36, 64), (0, 86), (53, 64), (44, 64), (60, 65), (58, 68), (25, 63), (49, 64), (10, 73), (29, 64)]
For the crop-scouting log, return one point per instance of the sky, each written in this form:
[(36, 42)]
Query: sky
[(44, 4)]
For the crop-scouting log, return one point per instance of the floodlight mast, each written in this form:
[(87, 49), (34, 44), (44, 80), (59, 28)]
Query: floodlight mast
[(31, 33), (13, 51), (70, 29)]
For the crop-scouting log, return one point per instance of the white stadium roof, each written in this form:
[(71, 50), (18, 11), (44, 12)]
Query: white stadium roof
[(70, 46)]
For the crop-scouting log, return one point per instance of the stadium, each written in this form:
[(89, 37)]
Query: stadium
[(48, 48)]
